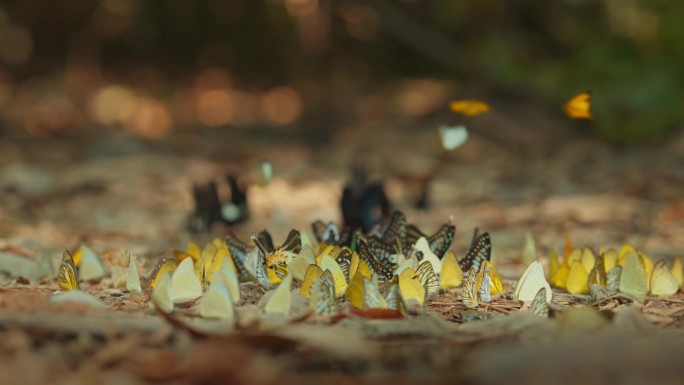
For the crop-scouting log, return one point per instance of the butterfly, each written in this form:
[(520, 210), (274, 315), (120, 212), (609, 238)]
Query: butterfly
[(480, 251), (162, 293), (167, 265), (322, 295), (469, 293), (396, 227), (238, 251), (67, 277), (633, 279), (539, 305), (385, 252), (428, 278), (91, 266), (484, 286), (281, 299), (531, 282), (663, 283), (348, 262), (451, 275), (579, 107), (217, 302), (372, 298), (394, 299), (230, 280), (439, 241), (469, 107), (577, 279), (132, 277), (185, 284), (422, 253), (326, 233), (453, 137), (377, 267), (613, 279), (495, 284), (411, 289), (597, 275), (678, 270)]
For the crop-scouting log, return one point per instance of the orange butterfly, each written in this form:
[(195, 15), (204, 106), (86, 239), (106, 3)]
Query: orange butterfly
[(579, 107), (469, 107)]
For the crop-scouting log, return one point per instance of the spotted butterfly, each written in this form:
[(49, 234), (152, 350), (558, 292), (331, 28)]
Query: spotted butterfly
[(480, 251)]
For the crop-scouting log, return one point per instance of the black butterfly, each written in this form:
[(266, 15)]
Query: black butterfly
[(439, 241), (396, 227), (479, 252), (383, 272), (384, 251)]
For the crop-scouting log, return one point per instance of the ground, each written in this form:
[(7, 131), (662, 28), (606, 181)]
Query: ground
[(120, 193)]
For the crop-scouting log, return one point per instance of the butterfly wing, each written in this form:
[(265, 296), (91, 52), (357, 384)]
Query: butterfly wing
[(67, 277), (579, 107), (469, 294), (428, 278), (373, 263), (539, 306), (322, 300), (238, 251), (479, 252)]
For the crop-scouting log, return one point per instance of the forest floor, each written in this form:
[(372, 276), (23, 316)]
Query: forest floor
[(119, 193)]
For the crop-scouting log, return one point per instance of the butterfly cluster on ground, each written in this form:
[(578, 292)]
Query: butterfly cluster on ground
[(396, 269)]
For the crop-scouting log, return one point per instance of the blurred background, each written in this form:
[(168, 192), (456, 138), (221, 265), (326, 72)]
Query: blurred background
[(111, 110), (311, 67)]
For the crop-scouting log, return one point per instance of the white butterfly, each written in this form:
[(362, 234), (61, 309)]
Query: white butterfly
[(217, 302), (531, 282), (453, 137), (132, 276), (185, 284)]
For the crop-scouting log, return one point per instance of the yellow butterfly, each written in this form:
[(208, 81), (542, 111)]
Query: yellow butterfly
[(217, 302), (588, 259), (577, 279), (322, 299), (610, 258), (531, 282), (67, 277), (281, 299), (451, 275), (663, 283), (633, 279), (167, 265), (495, 285), (539, 306), (597, 275), (579, 107), (132, 276), (469, 294), (678, 270), (411, 289), (554, 266), (230, 280), (356, 291), (162, 295), (469, 107)]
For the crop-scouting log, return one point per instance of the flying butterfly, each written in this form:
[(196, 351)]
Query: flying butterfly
[(67, 277), (479, 252), (579, 107), (469, 107), (453, 137)]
